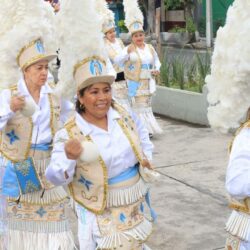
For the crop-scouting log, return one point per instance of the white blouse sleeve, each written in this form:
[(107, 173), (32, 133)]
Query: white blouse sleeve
[(147, 145), (5, 112), (157, 62), (110, 68), (238, 172), (122, 57), (59, 162), (67, 110)]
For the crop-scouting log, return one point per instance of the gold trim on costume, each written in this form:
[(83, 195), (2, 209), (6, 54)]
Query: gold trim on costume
[(26, 154), (125, 130), (26, 47), (135, 22), (78, 65), (32, 60), (68, 127), (51, 115), (243, 125)]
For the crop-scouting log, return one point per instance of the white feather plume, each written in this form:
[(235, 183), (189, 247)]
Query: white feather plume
[(132, 12), (22, 22), (103, 9), (79, 27), (228, 84)]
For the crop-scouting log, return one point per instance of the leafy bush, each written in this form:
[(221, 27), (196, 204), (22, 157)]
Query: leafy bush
[(183, 73), (173, 4), (177, 29), (122, 26), (190, 25)]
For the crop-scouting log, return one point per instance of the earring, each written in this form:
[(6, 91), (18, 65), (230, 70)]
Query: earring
[(82, 107)]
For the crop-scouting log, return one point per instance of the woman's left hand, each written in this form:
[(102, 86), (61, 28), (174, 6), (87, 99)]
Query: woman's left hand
[(155, 72), (146, 164)]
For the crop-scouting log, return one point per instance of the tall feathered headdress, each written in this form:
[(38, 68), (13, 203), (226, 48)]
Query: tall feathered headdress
[(229, 82), (23, 22), (82, 53), (133, 16), (107, 15)]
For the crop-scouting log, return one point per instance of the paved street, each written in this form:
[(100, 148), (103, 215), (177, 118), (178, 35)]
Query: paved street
[(190, 198)]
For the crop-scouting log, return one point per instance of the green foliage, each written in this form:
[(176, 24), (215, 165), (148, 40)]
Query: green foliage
[(173, 4), (203, 69), (178, 70), (165, 72), (179, 4), (122, 26), (190, 25), (177, 29), (183, 73)]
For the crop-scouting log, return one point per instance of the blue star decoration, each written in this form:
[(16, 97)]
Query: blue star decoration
[(41, 212), (131, 67), (12, 136), (85, 182), (122, 217), (142, 208)]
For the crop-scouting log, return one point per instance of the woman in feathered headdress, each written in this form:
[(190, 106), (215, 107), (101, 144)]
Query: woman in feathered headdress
[(30, 114), (102, 152), (229, 91), (114, 47), (141, 66)]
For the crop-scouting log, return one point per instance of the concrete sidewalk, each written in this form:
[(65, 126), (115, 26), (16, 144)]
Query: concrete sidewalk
[(190, 198)]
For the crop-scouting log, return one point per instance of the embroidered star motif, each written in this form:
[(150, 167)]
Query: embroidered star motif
[(122, 217), (142, 208), (13, 137), (41, 212), (85, 182), (131, 67)]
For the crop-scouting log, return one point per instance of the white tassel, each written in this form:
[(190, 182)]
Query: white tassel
[(126, 196), (51, 196), (141, 232), (23, 240), (238, 225), (147, 117)]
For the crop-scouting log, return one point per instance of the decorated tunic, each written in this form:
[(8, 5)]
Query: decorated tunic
[(238, 187), (114, 49), (141, 84), (35, 208), (116, 157), (119, 87)]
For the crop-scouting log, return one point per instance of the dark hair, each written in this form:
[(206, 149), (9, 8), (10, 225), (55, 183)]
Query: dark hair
[(80, 109), (78, 105)]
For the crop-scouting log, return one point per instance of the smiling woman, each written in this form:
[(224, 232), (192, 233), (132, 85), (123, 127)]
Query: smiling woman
[(110, 187), (142, 65), (94, 103)]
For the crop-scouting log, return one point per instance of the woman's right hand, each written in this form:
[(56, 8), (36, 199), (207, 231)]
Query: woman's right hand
[(73, 149), (131, 48), (17, 103)]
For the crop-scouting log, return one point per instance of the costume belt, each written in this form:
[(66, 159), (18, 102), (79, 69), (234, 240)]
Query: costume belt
[(124, 176), (11, 186), (134, 85), (146, 66), (129, 174), (41, 147)]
